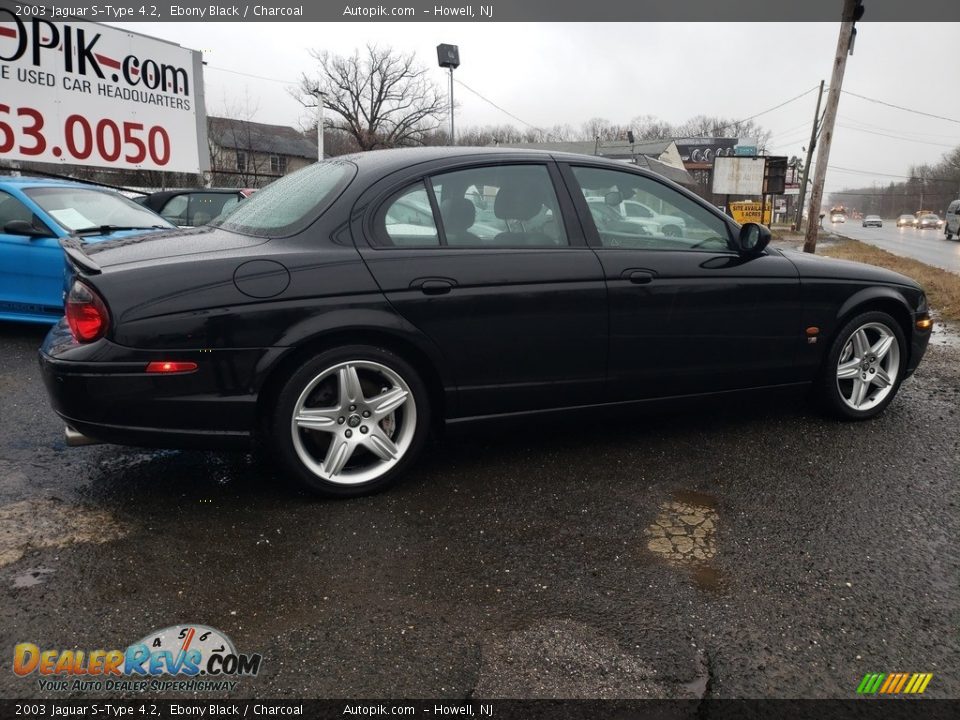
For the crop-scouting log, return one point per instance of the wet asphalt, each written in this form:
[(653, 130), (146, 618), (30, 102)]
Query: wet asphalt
[(514, 561)]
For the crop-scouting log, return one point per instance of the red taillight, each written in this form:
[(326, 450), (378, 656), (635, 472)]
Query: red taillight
[(86, 314), (170, 366)]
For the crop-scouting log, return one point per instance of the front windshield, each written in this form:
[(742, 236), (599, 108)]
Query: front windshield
[(79, 208), (289, 204)]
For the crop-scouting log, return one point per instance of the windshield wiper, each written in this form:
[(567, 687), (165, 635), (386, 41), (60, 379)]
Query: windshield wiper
[(107, 229)]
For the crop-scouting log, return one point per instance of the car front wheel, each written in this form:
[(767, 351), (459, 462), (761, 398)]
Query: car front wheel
[(864, 367), (350, 421)]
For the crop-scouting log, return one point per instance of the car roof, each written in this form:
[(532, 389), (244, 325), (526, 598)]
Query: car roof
[(387, 161)]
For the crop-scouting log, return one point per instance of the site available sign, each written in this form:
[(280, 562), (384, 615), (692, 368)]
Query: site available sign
[(81, 93), (749, 211), (738, 175)]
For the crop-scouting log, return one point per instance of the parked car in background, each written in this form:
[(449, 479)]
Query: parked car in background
[(34, 214), (929, 221), (310, 319), (906, 221), (951, 224), (872, 221), (190, 207)]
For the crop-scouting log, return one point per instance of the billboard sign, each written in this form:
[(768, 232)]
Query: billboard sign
[(738, 175), (82, 93)]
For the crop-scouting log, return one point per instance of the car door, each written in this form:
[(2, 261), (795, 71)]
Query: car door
[(485, 261), (688, 314), (31, 267)]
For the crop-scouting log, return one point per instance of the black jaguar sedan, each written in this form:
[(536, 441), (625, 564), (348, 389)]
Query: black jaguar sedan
[(343, 311)]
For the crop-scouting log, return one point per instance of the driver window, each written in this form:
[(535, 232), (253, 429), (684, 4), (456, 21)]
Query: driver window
[(633, 211)]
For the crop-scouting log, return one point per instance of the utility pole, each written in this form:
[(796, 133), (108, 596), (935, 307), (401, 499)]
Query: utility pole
[(806, 165), (320, 94), (852, 11)]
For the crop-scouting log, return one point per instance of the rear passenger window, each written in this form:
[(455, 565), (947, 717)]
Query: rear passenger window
[(409, 219), (499, 206)]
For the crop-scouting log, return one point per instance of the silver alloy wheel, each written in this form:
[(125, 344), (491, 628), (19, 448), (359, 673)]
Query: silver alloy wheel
[(868, 366), (364, 432)]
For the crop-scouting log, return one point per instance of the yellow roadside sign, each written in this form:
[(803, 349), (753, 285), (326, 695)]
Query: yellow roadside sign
[(749, 211)]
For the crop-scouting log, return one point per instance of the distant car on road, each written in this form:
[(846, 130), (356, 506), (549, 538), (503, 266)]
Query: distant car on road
[(34, 214), (872, 221), (838, 218), (952, 224), (906, 221), (929, 221), (192, 207)]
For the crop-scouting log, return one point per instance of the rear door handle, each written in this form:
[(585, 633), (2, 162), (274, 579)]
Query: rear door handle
[(435, 287), (640, 277)]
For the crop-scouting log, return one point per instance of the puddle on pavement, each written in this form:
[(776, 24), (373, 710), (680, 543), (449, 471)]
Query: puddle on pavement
[(47, 523), (31, 577), (684, 533)]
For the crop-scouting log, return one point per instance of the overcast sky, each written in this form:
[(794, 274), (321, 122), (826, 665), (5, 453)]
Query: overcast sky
[(550, 73)]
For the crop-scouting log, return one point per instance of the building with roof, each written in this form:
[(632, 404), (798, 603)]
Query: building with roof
[(251, 154)]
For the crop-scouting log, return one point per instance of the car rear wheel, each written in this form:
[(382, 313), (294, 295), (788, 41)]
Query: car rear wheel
[(350, 421), (864, 367)]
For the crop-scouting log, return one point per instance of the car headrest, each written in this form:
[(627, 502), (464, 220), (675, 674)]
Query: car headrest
[(458, 214), (518, 202)]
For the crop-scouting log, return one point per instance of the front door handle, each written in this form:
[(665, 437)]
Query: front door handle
[(640, 277), (436, 287)]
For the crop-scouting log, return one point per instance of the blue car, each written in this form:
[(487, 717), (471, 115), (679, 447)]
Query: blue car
[(34, 215)]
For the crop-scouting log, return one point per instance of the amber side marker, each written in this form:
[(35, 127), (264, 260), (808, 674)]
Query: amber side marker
[(924, 323)]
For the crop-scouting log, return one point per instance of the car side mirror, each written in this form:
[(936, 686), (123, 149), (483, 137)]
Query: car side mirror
[(613, 198), (22, 227), (753, 239)]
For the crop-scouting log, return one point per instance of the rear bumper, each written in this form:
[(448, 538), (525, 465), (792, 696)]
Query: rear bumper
[(106, 395)]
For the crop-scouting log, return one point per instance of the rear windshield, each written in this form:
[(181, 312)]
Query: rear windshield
[(291, 203)]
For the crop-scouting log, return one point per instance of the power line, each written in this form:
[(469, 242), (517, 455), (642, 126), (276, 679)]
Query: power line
[(762, 112), (251, 75), (503, 110), (900, 177), (900, 107), (898, 137), (898, 131)]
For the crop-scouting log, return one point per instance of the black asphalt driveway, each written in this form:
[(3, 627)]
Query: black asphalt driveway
[(737, 548)]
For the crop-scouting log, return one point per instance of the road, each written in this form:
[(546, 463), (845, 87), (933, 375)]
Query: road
[(928, 246), (520, 561)]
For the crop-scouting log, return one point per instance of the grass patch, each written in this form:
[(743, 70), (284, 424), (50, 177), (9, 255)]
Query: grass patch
[(942, 287)]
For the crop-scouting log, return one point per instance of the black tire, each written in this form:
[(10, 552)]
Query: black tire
[(280, 434), (828, 388)]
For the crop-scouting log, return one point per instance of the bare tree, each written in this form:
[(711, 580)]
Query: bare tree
[(382, 99)]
